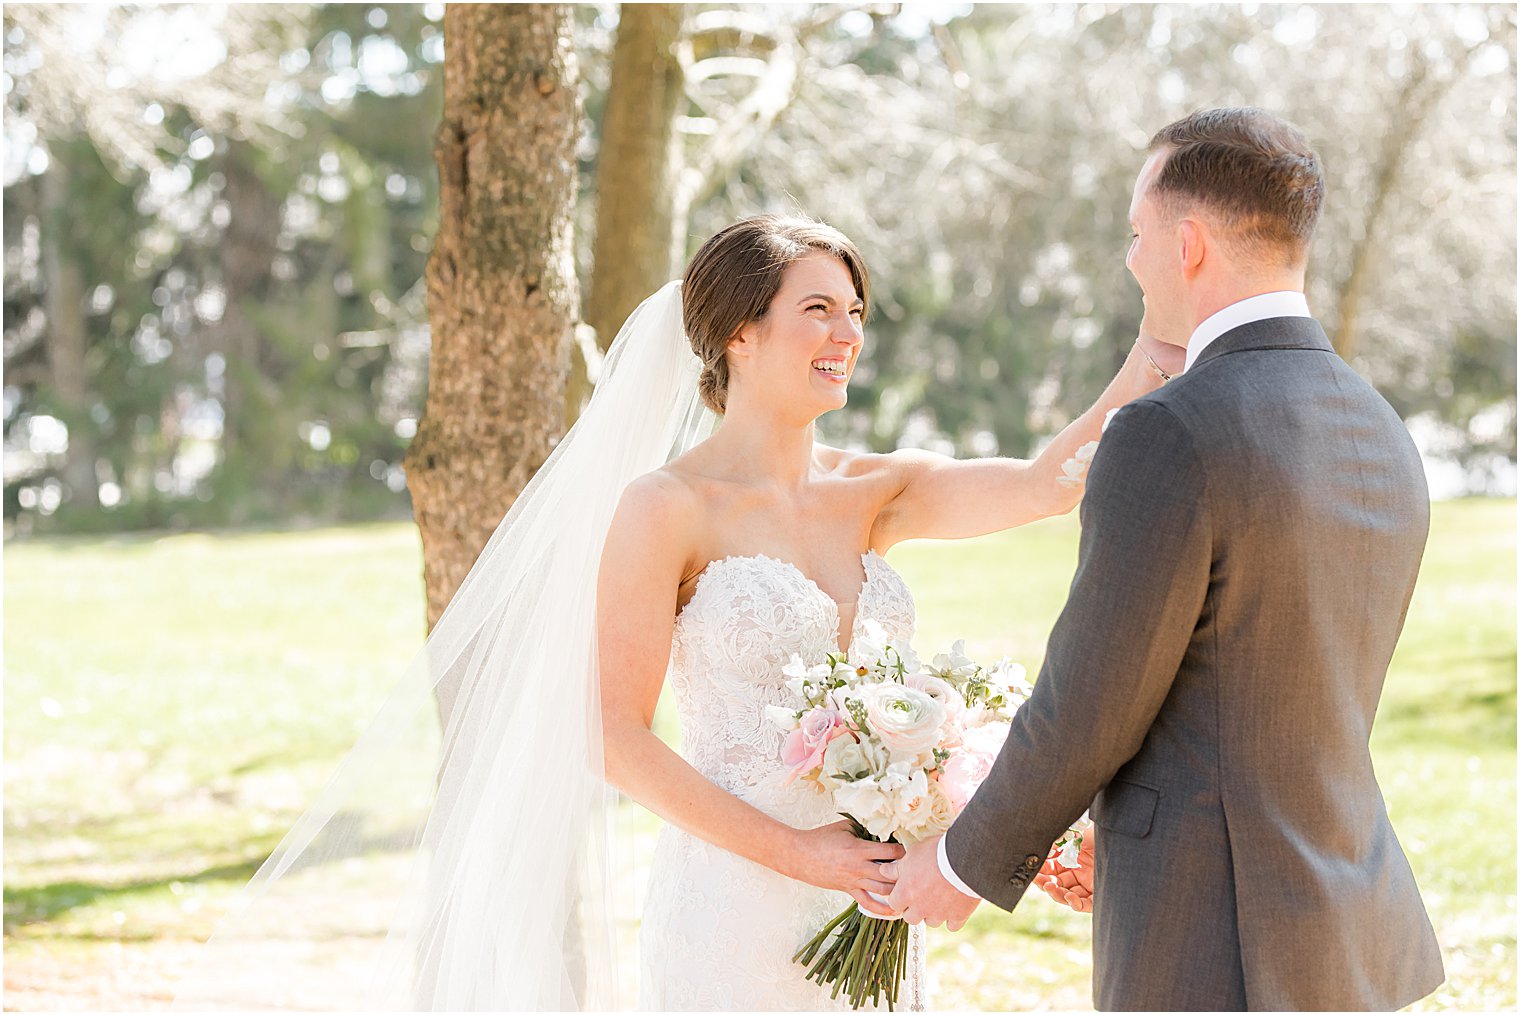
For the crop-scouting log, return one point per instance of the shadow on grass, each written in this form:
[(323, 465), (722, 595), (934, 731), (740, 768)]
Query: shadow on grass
[(45, 902)]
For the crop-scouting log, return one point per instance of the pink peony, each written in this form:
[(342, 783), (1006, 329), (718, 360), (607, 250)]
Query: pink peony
[(803, 748), (965, 770)]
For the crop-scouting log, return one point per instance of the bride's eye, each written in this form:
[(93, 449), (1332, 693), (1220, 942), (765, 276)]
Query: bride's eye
[(858, 310), (818, 306)]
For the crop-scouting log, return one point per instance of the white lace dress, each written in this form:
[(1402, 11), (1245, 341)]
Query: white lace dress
[(719, 931)]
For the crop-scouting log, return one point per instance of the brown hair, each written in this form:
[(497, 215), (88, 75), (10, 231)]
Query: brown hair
[(1253, 169), (733, 278)]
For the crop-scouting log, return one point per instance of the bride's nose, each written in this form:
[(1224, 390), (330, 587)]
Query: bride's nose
[(847, 331)]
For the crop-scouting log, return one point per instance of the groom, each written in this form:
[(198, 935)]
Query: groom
[(1251, 534)]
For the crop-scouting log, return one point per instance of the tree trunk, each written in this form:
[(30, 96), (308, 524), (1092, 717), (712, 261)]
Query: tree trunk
[(502, 294), (1417, 100), (634, 251), (67, 338), (246, 255)]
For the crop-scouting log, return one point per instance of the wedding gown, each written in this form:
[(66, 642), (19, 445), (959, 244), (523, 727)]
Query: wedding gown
[(719, 931)]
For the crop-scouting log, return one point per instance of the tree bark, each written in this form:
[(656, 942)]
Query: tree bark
[(634, 250), (502, 293)]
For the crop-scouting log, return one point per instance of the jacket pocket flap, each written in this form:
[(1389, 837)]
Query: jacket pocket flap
[(1126, 807)]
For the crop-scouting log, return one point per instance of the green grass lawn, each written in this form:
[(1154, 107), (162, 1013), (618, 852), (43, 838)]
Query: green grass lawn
[(173, 701)]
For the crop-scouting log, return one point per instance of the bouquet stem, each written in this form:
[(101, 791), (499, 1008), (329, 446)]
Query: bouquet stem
[(867, 957)]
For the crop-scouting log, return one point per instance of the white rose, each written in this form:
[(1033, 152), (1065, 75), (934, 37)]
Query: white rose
[(847, 760), (930, 813), (907, 721), (870, 803)]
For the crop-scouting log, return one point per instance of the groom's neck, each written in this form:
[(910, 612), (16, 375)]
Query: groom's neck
[(1213, 295)]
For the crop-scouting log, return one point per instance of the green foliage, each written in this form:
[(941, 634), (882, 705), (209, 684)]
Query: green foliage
[(265, 286), (176, 700)]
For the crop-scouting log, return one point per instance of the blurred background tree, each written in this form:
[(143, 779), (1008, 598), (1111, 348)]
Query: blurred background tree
[(217, 220), (239, 202)]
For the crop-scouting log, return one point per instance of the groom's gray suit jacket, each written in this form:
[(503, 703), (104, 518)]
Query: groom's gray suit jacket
[(1250, 538)]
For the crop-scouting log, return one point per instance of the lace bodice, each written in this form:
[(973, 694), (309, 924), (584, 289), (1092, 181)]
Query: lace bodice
[(719, 931), (745, 619)]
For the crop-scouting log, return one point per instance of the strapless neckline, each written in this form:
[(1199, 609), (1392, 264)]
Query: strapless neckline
[(833, 604)]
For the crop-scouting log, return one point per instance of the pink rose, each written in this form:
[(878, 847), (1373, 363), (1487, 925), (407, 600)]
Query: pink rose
[(802, 750)]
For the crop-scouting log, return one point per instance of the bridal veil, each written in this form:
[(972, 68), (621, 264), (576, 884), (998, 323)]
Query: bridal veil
[(470, 868)]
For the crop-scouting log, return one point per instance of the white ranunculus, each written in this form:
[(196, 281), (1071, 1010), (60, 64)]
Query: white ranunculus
[(907, 721), (941, 690)]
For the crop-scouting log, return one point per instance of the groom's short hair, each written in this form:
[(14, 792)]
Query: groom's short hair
[(1254, 171)]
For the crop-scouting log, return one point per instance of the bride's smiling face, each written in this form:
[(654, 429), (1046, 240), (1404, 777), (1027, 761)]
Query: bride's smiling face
[(798, 357)]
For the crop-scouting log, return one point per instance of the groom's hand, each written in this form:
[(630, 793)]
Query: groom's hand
[(1070, 886), (921, 893)]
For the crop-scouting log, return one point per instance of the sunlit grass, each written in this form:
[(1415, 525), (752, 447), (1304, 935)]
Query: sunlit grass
[(172, 702)]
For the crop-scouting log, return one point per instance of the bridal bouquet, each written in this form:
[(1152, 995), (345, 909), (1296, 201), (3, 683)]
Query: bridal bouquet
[(901, 747)]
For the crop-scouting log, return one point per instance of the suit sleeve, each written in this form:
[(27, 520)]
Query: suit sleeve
[(1142, 576)]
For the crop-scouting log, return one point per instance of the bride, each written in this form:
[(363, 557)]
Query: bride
[(758, 543), (471, 867)]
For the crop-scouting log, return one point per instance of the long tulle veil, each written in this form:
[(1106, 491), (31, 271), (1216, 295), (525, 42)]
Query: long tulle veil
[(468, 868)]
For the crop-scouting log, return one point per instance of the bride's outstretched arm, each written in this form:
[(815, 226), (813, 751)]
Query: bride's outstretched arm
[(648, 548), (949, 498)]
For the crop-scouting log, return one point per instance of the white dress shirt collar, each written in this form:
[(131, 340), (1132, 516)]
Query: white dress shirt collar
[(1287, 303)]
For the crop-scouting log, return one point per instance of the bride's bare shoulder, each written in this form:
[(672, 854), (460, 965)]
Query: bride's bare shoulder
[(666, 495), (868, 465)]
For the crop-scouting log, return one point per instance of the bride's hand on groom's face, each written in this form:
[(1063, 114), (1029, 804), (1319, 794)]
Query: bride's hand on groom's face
[(832, 857), (1070, 886)]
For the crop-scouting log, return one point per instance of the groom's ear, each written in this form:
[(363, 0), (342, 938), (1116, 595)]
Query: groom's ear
[(1192, 243)]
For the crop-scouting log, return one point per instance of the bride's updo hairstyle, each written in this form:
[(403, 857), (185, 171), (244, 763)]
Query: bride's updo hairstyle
[(732, 280)]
